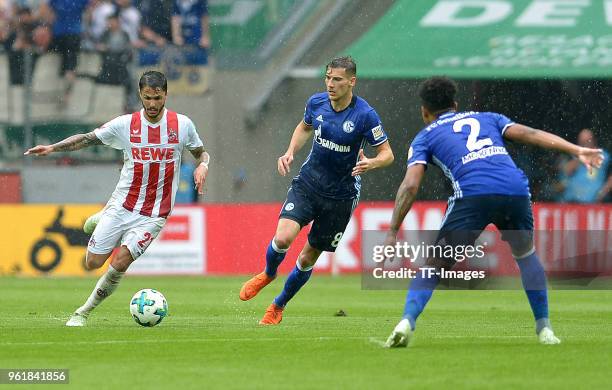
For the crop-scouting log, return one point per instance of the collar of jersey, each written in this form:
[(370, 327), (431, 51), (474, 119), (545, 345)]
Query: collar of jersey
[(351, 104), (144, 118)]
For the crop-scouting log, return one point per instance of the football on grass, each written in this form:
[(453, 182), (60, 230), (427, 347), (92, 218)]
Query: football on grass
[(148, 307)]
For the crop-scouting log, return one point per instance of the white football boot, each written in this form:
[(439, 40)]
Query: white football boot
[(77, 320), (401, 335), (547, 337), (92, 222)]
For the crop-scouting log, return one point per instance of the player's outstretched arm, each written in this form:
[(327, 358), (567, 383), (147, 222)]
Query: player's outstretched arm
[(200, 173), (75, 142), (527, 135), (384, 157), (301, 134), (406, 195)]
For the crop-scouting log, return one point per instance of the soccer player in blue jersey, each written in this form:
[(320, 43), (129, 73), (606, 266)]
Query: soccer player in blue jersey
[(326, 190), (488, 188)]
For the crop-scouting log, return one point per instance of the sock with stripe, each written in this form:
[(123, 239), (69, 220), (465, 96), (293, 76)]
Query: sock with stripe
[(297, 278), (274, 257), (106, 285)]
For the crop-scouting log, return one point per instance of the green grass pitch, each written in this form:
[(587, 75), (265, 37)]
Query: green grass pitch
[(211, 340)]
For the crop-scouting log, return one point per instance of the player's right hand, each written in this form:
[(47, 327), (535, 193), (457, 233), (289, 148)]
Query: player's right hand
[(39, 150), (284, 163), (591, 158), (390, 240)]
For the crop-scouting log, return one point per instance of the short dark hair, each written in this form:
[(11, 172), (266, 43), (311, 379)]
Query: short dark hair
[(438, 93), (153, 79), (346, 62)]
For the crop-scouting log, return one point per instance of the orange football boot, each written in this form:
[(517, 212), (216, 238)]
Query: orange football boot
[(273, 316), (254, 285)]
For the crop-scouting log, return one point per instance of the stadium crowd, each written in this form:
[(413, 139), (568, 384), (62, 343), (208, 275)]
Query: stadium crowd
[(122, 31)]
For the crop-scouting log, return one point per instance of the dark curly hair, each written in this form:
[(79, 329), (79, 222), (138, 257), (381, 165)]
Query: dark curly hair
[(153, 79), (438, 93)]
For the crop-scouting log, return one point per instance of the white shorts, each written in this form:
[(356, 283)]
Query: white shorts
[(120, 226)]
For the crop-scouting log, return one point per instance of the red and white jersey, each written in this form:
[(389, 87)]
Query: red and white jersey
[(152, 159)]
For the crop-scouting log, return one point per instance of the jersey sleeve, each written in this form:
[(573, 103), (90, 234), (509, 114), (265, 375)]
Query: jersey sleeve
[(374, 132), (109, 132), (308, 112), (193, 140), (419, 152), (502, 122)]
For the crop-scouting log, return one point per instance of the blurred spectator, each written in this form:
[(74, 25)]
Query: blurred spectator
[(5, 19), (25, 32), (66, 16), (156, 26), (115, 48), (190, 31), (577, 184), (129, 19), (190, 24), (186, 192), (96, 17)]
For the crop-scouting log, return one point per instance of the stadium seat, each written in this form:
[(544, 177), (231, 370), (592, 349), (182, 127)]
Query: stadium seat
[(108, 102)]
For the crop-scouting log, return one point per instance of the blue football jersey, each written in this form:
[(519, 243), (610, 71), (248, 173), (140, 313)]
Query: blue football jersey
[(469, 148), (338, 136)]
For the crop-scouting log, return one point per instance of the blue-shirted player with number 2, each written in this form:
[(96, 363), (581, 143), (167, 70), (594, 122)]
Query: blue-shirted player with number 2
[(326, 190), (488, 188)]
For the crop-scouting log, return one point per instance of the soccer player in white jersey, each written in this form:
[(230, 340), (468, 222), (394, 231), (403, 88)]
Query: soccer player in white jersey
[(152, 141)]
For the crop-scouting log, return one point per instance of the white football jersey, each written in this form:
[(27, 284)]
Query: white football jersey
[(152, 159)]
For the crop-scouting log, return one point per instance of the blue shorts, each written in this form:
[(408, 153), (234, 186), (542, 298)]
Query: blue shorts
[(467, 217), (329, 216)]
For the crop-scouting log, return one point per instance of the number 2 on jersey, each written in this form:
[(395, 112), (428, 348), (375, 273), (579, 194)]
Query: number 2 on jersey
[(147, 237), (473, 143)]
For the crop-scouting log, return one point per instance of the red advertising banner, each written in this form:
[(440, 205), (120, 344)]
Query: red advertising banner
[(237, 235)]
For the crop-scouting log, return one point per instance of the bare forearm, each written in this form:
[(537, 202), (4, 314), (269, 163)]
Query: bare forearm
[(175, 25), (301, 134), (205, 25), (605, 190), (76, 142), (403, 203), (383, 159), (543, 139), (200, 155)]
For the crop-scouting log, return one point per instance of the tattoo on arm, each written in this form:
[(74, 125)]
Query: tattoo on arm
[(200, 155), (76, 142)]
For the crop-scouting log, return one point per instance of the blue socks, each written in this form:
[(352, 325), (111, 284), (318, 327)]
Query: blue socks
[(421, 290), (532, 276), (274, 256), (534, 283), (297, 278)]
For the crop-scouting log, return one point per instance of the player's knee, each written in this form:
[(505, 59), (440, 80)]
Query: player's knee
[(94, 261), (283, 241)]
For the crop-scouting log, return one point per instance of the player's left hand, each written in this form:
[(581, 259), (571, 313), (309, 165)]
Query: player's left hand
[(199, 177), (39, 150), (363, 165), (591, 158)]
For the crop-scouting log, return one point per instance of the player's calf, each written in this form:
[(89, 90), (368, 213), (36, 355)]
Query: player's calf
[(94, 260)]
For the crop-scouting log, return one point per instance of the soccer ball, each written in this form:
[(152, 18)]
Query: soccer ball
[(148, 307)]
